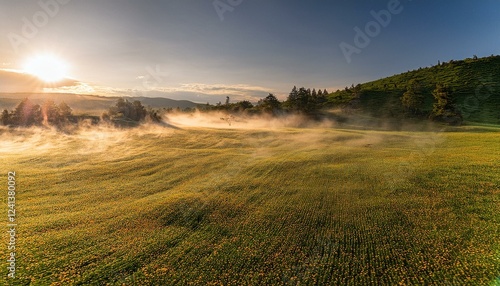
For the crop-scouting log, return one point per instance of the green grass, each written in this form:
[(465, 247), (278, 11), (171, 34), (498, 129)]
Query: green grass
[(262, 207)]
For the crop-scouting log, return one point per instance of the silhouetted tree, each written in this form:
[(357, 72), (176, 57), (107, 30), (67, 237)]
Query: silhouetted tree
[(306, 101), (22, 112), (245, 104), (125, 110), (37, 115), (303, 99), (6, 117), (270, 104), (139, 112), (292, 100), (321, 99), (153, 116), (27, 113), (50, 112), (65, 110)]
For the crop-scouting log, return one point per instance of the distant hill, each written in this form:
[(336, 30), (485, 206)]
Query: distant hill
[(160, 102), (88, 104), (475, 84)]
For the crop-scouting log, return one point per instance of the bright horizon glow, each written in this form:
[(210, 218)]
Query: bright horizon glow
[(47, 67)]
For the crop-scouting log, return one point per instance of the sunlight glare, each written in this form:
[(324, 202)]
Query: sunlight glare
[(47, 67)]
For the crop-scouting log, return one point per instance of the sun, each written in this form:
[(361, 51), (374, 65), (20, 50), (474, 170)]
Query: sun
[(47, 67)]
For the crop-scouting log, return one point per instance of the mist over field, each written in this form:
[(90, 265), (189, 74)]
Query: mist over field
[(88, 138), (263, 200), (234, 142), (241, 121)]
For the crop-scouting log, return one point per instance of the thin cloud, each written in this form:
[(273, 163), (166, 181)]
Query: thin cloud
[(17, 81), (218, 92), (221, 89), (196, 92)]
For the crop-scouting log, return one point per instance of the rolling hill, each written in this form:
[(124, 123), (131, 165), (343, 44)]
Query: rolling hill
[(475, 85)]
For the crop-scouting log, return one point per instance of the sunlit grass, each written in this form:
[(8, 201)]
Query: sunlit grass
[(270, 207)]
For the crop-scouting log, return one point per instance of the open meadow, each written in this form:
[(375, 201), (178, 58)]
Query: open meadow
[(253, 206)]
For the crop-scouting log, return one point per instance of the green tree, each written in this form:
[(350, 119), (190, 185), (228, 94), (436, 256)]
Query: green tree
[(292, 100), (321, 99), (270, 104), (413, 98), (303, 99), (125, 110), (443, 109), (245, 104), (356, 91)]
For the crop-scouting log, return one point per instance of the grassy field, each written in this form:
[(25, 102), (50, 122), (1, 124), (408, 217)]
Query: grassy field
[(200, 206)]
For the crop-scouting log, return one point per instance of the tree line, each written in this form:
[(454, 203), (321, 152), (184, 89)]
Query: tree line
[(311, 102), (27, 113), (300, 100), (443, 109)]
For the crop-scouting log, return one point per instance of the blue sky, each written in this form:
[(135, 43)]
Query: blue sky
[(183, 49)]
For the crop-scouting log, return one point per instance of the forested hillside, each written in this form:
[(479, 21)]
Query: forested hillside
[(473, 85)]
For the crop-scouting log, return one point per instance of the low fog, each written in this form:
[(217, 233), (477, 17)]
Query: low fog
[(82, 139), (241, 121), (86, 138), (329, 119)]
